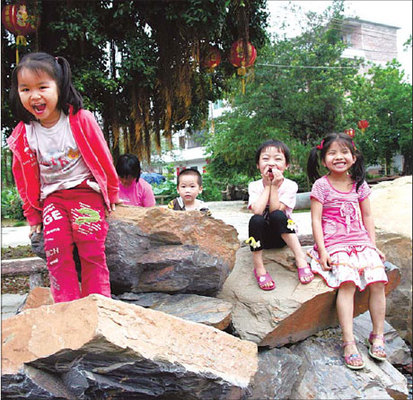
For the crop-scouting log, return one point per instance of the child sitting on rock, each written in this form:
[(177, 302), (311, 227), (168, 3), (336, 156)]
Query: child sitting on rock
[(345, 254), (272, 199), (189, 186)]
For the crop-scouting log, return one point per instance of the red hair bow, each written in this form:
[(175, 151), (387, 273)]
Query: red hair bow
[(320, 146)]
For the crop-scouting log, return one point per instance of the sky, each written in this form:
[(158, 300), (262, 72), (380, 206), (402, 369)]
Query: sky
[(394, 13)]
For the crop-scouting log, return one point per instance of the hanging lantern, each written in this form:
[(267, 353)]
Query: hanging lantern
[(351, 132), (211, 59), (16, 20), (363, 124), (242, 61)]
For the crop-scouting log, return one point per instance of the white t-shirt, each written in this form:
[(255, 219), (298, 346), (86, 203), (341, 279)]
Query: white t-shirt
[(60, 162), (286, 193)]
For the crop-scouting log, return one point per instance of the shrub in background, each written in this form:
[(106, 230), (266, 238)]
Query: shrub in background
[(11, 204)]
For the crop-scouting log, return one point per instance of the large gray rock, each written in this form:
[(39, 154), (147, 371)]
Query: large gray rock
[(323, 374), (160, 250), (97, 347), (278, 370), (292, 311), (200, 309)]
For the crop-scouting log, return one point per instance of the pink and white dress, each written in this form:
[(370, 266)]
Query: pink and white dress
[(354, 258)]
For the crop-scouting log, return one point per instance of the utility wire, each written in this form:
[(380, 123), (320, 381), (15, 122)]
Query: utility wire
[(304, 66)]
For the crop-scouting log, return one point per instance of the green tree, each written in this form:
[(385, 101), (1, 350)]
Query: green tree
[(384, 99), (137, 63), (297, 95)]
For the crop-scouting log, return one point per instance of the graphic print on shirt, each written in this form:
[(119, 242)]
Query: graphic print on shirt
[(57, 163)]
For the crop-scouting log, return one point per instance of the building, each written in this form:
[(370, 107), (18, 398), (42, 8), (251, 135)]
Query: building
[(374, 42), (188, 150)]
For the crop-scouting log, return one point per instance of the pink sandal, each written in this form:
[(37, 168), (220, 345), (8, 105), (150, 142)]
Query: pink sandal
[(305, 273), (375, 349), (263, 280), (350, 359)]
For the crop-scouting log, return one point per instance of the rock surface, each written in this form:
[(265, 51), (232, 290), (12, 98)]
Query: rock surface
[(96, 345), (323, 374), (391, 204), (278, 370), (160, 250), (398, 353), (200, 309), (292, 311)]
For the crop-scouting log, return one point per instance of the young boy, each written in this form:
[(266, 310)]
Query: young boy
[(272, 200), (189, 186)]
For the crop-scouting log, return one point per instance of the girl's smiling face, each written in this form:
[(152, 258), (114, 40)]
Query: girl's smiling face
[(271, 157), (338, 158), (39, 95)]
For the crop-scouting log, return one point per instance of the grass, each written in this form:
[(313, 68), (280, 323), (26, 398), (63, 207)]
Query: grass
[(9, 222)]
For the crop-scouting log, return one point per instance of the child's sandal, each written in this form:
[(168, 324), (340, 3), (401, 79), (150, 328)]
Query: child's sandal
[(263, 280), (305, 275), (376, 351), (350, 359)]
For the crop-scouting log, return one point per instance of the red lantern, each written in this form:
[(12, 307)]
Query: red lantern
[(239, 59), (242, 61), (211, 59), (16, 19), (351, 132), (363, 124)]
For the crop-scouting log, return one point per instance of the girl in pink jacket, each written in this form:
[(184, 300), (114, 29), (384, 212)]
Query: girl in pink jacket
[(64, 174)]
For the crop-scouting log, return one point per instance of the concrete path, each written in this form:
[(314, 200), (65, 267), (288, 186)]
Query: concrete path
[(233, 213), (15, 236)]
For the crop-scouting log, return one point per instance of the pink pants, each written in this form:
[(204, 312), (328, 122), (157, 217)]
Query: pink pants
[(76, 217)]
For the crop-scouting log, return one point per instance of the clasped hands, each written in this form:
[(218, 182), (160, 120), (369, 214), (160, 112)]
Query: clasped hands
[(272, 176)]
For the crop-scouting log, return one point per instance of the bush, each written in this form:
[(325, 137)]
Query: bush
[(167, 189), (11, 204), (211, 189), (301, 179)]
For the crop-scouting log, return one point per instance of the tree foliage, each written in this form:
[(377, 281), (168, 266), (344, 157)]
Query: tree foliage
[(297, 95), (137, 63), (385, 101), (303, 89)]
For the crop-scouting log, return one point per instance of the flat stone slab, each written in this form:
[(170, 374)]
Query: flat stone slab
[(201, 309), (85, 346)]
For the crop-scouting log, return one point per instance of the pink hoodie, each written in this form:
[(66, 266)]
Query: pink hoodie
[(95, 153)]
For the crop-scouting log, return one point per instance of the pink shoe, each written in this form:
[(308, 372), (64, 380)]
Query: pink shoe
[(263, 280), (376, 351), (305, 273), (353, 361)]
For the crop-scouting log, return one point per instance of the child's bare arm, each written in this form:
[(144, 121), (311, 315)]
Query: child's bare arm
[(368, 222), (316, 213)]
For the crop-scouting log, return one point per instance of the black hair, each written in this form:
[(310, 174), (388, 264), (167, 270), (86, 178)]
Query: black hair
[(128, 165), (190, 171), (273, 143), (59, 69), (318, 153)]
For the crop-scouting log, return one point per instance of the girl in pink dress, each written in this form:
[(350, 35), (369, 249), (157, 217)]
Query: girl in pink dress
[(345, 253)]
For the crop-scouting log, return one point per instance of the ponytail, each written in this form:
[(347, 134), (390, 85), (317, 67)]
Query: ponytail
[(358, 170), (313, 165), (68, 93)]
